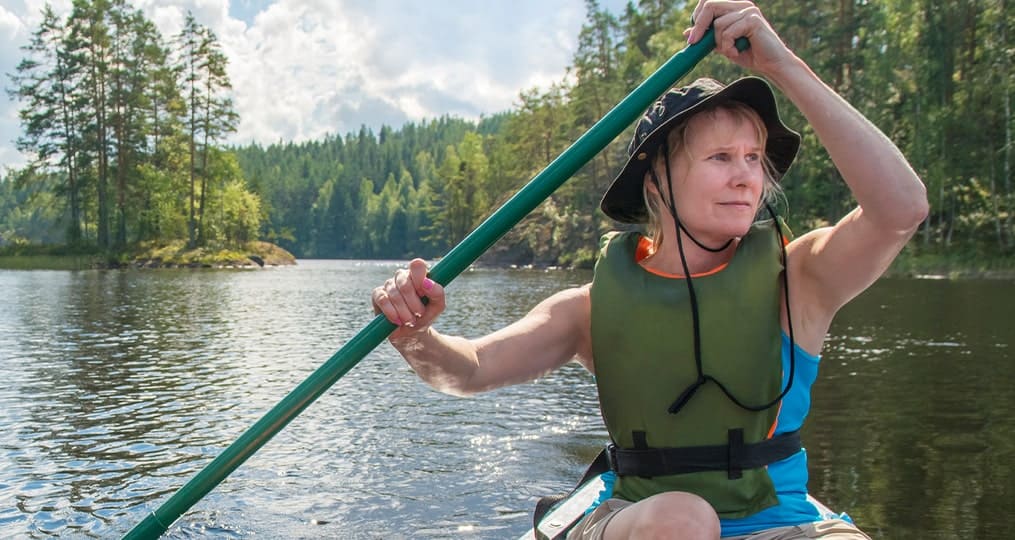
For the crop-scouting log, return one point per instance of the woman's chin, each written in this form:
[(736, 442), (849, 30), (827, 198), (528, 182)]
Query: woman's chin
[(737, 230), (723, 230)]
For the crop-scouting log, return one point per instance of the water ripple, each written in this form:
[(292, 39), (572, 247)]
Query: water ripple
[(120, 386)]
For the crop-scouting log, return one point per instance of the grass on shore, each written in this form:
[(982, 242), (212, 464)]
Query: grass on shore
[(145, 255), (953, 265), (176, 254)]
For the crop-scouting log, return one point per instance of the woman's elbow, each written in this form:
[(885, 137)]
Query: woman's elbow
[(918, 207), (908, 209), (453, 385), (456, 391)]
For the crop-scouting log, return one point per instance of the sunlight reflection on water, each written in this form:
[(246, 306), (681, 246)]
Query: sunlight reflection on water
[(119, 386)]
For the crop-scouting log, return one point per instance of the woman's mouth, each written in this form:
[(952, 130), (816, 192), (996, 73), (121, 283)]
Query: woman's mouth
[(736, 205)]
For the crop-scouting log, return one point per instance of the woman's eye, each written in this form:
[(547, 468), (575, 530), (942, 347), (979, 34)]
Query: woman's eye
[(721, 156), (753, 157)]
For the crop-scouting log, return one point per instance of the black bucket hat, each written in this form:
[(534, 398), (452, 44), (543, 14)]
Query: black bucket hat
[(624, 201)]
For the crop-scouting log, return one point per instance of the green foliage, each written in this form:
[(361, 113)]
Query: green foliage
[(934, 75), (124, 137), (209, 116), (31, 213), (178, 254), (367, 195), (237, 214)]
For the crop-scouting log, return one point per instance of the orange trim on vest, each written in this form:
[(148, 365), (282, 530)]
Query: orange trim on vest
[(645, 249), (771, 431)]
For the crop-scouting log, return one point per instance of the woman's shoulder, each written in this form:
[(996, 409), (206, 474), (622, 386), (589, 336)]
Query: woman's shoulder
[(578, 296), (572, 301), (567, 314)]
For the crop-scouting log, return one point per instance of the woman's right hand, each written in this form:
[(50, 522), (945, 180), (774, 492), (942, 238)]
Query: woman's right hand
[(734, 19), (400, 299)]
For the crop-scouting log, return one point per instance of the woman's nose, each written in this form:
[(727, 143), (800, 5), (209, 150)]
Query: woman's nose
[(744, 172), (741, 172)]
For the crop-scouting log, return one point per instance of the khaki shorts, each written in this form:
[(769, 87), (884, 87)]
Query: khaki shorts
[(591, 527)]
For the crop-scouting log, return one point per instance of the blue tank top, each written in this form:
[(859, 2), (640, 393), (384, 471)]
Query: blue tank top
[(788, 475)]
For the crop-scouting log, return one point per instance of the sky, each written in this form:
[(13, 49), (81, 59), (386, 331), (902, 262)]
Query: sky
[(301, 69)]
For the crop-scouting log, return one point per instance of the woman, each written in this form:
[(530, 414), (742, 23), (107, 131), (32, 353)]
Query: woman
[(705, 335)]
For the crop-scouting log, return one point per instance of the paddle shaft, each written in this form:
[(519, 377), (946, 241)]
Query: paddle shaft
[(453, 264)]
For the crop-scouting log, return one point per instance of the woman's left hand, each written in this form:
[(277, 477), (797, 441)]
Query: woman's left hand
[(734, 19)]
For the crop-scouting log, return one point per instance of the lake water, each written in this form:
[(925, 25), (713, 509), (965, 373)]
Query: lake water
[(118, 386)]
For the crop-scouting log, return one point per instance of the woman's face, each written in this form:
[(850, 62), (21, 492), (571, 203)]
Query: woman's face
[(718, 176)]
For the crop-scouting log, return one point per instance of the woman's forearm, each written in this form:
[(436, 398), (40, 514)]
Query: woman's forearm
[(447, 363), (882, 181)]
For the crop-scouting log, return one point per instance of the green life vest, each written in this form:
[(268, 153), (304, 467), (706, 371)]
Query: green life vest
[(643, 346)]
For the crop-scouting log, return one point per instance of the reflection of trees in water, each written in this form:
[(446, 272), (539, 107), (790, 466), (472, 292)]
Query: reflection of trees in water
[(913, 411), (120, 368), (130, 380)]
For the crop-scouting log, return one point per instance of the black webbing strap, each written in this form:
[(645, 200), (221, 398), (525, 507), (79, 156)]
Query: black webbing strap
[(733, 457)]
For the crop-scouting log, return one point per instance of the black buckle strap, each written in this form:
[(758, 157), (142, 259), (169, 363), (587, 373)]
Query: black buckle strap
[(733, 457)]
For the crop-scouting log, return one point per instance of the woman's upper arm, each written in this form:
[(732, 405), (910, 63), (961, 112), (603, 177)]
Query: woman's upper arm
[(550, 335), (832, 265)]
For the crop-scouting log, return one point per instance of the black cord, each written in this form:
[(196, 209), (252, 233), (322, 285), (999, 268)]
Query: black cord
[(686, 395), (692, 389), (703, 246)]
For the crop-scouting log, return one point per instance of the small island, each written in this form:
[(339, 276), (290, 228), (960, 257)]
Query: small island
[(149, 255), (255, 254)]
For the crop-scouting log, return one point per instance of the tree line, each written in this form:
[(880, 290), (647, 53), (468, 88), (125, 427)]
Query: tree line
[(124, 129), (934, 75)]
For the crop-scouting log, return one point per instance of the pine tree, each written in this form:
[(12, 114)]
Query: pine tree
[(45, 82), (89, 45), (210, 115)]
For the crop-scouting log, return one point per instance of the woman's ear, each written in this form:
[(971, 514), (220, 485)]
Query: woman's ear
[(650, 186)]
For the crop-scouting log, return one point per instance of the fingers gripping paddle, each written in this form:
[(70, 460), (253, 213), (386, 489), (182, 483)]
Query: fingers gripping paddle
[(454, 263)]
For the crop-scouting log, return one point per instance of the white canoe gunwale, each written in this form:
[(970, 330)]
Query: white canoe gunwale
[(556, 522)]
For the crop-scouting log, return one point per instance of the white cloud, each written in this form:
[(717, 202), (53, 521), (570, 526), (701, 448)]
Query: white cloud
[(304, 68), (10, 25)]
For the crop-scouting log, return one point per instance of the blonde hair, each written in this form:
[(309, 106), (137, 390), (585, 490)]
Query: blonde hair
[(676, 141)]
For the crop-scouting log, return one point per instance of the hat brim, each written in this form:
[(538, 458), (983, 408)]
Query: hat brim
[(624, 201)]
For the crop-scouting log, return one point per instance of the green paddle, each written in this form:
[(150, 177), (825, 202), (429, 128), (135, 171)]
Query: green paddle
[(456, 261)]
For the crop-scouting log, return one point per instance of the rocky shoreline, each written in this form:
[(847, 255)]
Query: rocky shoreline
[(252, 255), (251, 262)]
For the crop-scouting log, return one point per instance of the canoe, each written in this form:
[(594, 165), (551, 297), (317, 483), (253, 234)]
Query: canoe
[(558, 520), (569, 511)]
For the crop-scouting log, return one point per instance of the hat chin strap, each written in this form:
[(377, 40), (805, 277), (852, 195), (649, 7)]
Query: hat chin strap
[(680, 224)]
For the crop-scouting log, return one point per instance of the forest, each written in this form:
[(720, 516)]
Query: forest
[(128, 130)]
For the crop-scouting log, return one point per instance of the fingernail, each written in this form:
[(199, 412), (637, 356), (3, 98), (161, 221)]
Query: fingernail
[(418, 315), (410, 325), (398, 322), (427, 283)]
